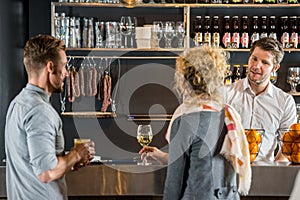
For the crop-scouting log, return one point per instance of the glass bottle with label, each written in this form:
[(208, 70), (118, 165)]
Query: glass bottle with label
[(236, 73), (226, 38), (198, 38), (293, 32), (264, 31), (215, 31), (207, 30), (245, 32), (235, 39), (284, 29), (273, 29), (255, 29)]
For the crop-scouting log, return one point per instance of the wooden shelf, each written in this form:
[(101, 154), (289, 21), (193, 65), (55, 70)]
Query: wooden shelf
[(89, 114), (156, 117)]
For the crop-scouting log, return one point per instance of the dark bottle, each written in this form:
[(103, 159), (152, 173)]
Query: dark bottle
[(146, 1), (245, 71), (255, 29), (228, 76), (293, 32), (270, 1), (204, 1), (190, 1), (198, 38), (236, 75), (292, 1), (169, 1), (226, 38), (245, 32), (273, 29), (157, 1), (284, 30), (207, 30), (235, 39), (264, 31), (215, 31), (179, 1)]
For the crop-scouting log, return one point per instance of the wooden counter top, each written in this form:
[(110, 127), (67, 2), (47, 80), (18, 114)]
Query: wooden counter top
[(269, 179)]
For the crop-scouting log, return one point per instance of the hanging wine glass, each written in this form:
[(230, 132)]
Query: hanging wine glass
[(126, 28), (144, 137), (293, 78)]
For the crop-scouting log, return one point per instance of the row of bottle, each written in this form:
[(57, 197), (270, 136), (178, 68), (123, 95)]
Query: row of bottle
[(231, 32), (225, 1), (236, 73), (86, 32), (89, 1)]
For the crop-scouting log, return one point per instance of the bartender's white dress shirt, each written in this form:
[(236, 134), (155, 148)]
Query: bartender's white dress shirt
[(271, 110)]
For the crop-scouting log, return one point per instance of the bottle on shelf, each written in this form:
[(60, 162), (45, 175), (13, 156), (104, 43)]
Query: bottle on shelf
[(215, 31), (292, 1), (270, 1), (198, 38), (255, 29), (258, 1), (235, 39), (207, 30), (169, 1), (236, 1), (228, 76), (245, 71), (245, 32), (264, 25), (272, 27), (294, 32), (236, 75), (284, 29), (226, 38)]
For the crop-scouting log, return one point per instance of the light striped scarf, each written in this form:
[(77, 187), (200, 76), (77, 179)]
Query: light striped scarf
[(235, 149)]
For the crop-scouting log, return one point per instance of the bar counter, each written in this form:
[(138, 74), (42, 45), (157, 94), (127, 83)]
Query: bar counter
[(269, 180)]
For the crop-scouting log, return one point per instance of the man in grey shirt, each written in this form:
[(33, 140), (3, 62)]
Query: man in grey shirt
[(34, 142)]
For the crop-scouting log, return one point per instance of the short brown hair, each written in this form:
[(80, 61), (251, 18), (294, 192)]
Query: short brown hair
[(271, 45), (40, 49)]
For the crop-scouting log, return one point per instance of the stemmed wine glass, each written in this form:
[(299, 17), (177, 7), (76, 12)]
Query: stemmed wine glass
[(133, 33), (126, 27), (293, 78), (169, 31), (144, 137), (157, 32), (180, 33)]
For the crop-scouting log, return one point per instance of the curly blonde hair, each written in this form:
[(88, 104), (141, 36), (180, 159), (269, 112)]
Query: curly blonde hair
[(200, 73)]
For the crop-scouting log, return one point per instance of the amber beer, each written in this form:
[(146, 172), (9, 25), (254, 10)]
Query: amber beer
[(78, 141)]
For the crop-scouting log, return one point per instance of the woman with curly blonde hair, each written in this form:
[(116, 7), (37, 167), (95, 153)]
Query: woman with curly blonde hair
[(201, 162)]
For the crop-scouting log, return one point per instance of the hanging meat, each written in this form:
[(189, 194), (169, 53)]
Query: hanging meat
[(106, 92)]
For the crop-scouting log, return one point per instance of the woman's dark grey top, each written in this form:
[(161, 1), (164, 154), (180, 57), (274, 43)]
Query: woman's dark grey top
[(196, 170)]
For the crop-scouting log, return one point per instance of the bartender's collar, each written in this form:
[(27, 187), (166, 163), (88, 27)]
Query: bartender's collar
[(268, 91)]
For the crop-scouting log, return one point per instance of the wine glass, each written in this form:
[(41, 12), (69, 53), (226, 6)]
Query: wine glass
[(273, 77), (180, 33), (157, 32), (144, 137), (293, 78), (169, 31), (126, 27), (133, 28)]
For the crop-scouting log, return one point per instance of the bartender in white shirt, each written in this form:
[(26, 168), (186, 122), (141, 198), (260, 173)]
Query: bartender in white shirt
[(261, 104)]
